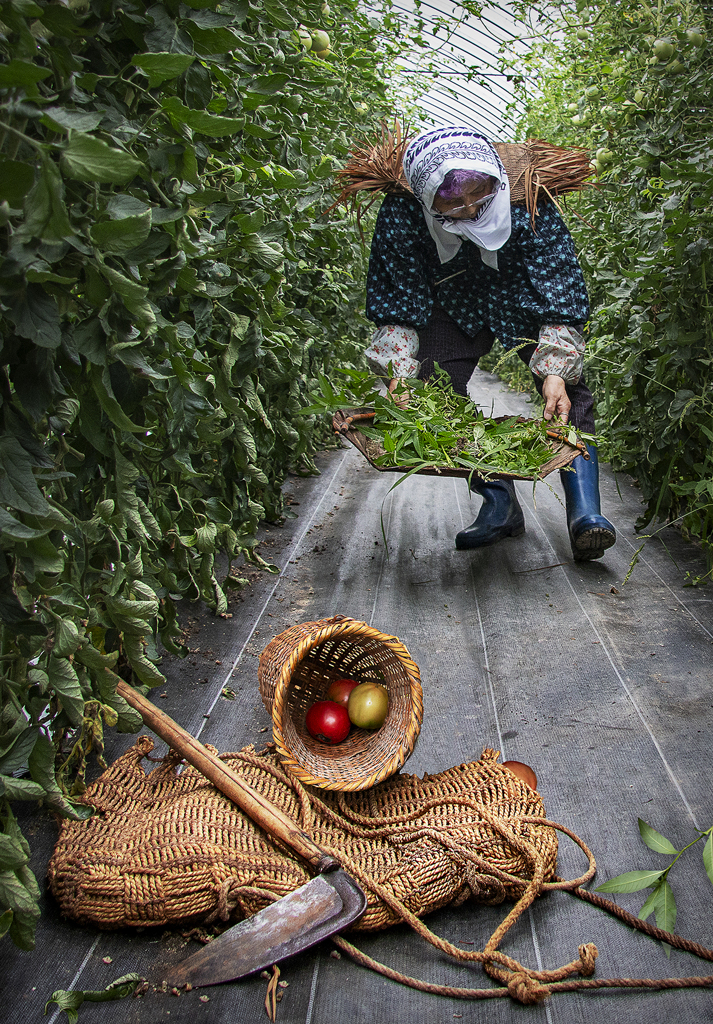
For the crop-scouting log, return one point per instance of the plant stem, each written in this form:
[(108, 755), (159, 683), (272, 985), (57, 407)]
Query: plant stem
[(40, 146), (688, 847)]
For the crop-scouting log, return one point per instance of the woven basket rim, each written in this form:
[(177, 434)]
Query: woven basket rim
[(329, 628)]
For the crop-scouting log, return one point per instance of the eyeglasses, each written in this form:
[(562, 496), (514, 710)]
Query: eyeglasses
[(475, 204)]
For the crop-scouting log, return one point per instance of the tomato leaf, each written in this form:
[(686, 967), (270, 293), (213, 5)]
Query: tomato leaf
[(88, 158)]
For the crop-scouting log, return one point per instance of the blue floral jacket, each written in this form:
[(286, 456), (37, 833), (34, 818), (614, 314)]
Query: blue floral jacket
[(538, 280)]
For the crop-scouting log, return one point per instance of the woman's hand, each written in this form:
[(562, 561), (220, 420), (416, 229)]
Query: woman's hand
[(401, 399), (557, 404)]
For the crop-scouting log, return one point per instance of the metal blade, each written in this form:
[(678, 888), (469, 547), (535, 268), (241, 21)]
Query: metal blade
[(322, 907)]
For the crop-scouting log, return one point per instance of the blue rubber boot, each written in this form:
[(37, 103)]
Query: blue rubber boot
[(500, 516), (589, 532)]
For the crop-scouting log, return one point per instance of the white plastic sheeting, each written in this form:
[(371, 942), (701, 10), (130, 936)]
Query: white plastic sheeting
[(452, 73)]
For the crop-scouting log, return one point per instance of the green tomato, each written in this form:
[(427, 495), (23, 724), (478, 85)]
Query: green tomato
[(582, 34), (368, 705), (326, 9), (663, 49), (573, 108), (696, 37), (591, 92), (605, 156), (302, 37), (320, 41)]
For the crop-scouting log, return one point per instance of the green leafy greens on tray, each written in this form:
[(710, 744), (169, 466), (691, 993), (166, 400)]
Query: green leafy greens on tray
[(439, 428)]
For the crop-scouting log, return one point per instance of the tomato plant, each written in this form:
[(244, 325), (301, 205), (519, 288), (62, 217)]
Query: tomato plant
[(644, 236), (169, 291)]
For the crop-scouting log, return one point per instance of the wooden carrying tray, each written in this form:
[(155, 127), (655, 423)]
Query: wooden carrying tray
[(344, 420)]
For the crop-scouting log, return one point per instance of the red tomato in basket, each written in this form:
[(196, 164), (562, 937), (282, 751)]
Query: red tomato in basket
[(340, 689), (328, 722)]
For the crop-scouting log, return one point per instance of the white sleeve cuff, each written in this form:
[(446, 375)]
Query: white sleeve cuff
[(397, 345), (560, 351)]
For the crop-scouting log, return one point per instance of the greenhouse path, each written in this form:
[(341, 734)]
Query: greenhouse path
[(605, 689)]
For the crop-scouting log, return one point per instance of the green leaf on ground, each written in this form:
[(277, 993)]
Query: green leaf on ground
[(665, 910), (708, 857), (630, 881), (654, 840), (70, 1000)]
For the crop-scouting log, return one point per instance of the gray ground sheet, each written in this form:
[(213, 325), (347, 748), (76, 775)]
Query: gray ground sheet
[(604, 689)]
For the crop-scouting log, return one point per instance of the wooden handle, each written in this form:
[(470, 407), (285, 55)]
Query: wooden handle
[(347, 423), (559, 435), (260, 810)]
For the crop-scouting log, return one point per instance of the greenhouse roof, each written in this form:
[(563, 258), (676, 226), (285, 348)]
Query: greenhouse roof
[(452, 68)]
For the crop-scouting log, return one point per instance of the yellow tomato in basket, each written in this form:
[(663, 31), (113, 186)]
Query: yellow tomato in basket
[(368, 705)]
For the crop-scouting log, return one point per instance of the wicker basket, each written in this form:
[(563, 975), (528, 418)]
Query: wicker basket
[(296, 669)]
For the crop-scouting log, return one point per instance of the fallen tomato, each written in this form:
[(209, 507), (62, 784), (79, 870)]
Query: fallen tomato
[(328, 722), (340, 689), (523, 771), (368, 705)]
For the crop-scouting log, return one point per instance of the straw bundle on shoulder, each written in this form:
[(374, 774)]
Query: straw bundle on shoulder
[(534, 167)]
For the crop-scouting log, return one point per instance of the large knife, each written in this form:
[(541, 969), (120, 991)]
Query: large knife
[(322, 907)]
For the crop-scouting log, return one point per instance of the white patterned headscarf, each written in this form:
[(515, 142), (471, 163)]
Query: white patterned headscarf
[(427, 161)]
